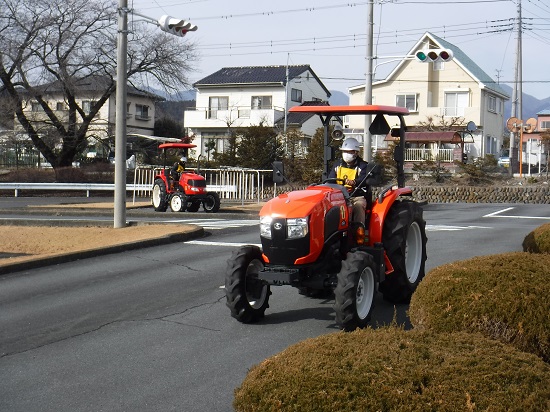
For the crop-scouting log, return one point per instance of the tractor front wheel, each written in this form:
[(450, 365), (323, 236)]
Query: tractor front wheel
[(404, 239), (247, 296), (178, 202), (212, 202), (355, 290), (158, 196)]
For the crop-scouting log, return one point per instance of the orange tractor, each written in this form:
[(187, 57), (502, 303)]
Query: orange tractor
[(186, 193), (309, 242)]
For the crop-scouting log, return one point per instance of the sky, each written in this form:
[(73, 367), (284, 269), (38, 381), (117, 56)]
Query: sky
[(331, 35)]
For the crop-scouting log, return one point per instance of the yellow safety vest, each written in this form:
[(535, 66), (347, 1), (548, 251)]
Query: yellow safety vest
[(346, 173)]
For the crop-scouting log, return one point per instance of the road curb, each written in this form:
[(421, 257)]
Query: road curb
[(190, 234)]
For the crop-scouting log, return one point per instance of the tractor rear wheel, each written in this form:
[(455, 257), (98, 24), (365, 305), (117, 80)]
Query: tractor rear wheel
[(158, 196), (178, 202), (354, 293), (404, 239), (212, 202), (247, 296)]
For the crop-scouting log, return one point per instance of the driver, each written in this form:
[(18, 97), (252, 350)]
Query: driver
[(352, 170), (177, 169)]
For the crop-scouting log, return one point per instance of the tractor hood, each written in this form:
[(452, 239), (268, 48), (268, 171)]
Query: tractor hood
[(301, 203)]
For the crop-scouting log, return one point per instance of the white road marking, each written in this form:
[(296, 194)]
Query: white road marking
[(498, 214), (229, 244), (447, 228), (214, 224)]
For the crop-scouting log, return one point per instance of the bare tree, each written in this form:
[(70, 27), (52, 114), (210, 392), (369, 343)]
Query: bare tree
[(57, 46)]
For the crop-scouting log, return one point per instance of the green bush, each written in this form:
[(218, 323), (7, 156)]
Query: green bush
[(505, 297), (538, 241), (390, 369)]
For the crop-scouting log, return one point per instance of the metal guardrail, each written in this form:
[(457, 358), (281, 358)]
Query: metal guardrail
[(88, 187)]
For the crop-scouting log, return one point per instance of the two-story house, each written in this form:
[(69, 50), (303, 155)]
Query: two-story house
[(140, 116), (239, 97), (443, 99)]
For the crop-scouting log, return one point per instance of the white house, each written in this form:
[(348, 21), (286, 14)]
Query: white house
[(238, 97), (454, 93)]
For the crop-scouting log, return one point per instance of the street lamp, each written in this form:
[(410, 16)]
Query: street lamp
[(168, 24)]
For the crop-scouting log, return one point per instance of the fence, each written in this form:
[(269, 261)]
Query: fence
[(423, 154), (231, 184)]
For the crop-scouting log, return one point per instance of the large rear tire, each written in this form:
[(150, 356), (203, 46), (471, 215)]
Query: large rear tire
[(159, 197), (212, 202), (355, 290), (404, 239), (247, 296)]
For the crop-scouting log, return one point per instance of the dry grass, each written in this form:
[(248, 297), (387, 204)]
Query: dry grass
[(390, 369), (38, 241), (538, 241)]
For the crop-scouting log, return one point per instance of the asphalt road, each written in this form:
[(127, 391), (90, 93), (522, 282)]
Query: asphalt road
[(148, 330)]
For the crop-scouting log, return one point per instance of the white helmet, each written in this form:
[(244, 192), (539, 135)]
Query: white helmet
[(183, 159), (350, 144)]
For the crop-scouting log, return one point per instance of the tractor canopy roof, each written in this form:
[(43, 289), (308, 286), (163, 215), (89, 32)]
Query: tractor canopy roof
[(177, 146)]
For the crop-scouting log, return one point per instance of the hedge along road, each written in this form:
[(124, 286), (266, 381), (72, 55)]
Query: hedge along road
[(149, 329)]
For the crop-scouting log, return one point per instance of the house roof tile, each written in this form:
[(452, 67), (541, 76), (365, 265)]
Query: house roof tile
[(256, 75)]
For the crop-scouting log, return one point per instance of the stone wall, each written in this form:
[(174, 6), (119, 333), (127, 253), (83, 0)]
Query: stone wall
[(466, 194), (483, 194)]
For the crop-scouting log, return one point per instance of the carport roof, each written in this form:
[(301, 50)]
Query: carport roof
[(424, 137)]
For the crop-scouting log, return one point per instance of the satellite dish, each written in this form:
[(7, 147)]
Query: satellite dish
[(471, 127), (512, 124), (530, 125)]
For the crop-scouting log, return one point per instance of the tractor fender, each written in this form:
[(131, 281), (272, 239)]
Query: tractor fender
[(380, 209)]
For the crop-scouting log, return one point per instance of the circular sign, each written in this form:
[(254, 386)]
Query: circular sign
[(512, 124)]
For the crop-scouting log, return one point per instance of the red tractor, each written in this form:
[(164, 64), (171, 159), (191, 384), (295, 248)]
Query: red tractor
[(187, 193), (309, 242)]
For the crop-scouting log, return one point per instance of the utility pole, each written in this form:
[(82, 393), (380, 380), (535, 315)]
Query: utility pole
[(120, 110), (367, 138), (168, 24), (517, 90)]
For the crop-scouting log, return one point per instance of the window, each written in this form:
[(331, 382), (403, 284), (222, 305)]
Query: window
[(60, 106), (142, 112), (492, 104), (217, 103), (455, 103), (87, 106), (36, 107), (260, 102), (406, 100), (545, 124), (296, 95)]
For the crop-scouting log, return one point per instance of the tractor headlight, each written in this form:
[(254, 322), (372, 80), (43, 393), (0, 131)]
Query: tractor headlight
[(265, 226), (297, 227)]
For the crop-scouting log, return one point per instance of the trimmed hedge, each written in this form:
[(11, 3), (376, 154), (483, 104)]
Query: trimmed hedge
[(538, 241), (505, 297), (480, 342), (390, 369)]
